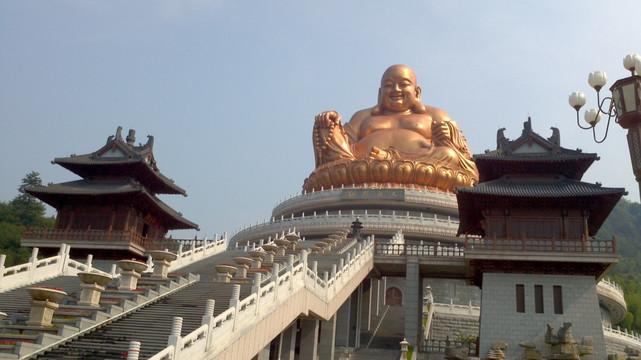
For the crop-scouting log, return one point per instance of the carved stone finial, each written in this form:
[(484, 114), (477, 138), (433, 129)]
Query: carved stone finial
[(131, 137), (527, 126), (150, 142), (501, 140), (556, 136)]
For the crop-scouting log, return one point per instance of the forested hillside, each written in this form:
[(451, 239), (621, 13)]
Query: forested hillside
[(625, 224)]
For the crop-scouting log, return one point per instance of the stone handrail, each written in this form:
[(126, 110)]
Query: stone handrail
[(612, 295), (633, 339), (197, 253), (316, 199), (612, 286), (91, 234), (545, 245), (218, 332), (455, 309), (430, 249), (376, 222), (36, 270)]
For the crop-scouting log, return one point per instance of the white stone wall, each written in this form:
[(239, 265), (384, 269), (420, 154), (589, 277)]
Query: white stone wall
[(501, 322)]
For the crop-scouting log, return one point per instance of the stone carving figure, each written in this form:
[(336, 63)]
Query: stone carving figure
[(399, 127)]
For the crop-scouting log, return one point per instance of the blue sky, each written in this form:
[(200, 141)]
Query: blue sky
[(229, 89)]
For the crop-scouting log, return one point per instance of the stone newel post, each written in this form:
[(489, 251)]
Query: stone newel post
[(130, 271), (93, 284), (162, 260), (44, 302), (242, 264)]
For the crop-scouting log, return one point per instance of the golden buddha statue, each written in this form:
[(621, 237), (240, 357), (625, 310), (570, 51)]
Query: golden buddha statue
[(400, 141)]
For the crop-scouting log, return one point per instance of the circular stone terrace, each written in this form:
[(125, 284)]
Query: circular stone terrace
[(420, 213)]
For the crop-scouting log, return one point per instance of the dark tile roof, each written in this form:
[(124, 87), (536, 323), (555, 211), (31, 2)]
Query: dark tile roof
[(531, 153), (54, 194), (131, 160), (528, 193), (559, 187)]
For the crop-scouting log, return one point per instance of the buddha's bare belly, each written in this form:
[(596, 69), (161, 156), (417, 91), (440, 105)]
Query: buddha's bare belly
[(399, 139)]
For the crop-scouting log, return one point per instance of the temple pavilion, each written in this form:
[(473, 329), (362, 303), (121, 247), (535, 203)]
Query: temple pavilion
[(530, 224), (113, 208)]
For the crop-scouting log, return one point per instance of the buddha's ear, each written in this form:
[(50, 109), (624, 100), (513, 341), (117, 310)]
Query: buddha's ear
[(418, 107)]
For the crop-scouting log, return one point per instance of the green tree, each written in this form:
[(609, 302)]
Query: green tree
[(27, 208), (24, 210)]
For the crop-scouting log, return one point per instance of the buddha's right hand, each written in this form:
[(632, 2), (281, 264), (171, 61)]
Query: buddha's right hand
[(327, 119)]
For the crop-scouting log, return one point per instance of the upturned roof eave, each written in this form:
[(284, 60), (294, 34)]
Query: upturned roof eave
[(52, 194), (85, 167)]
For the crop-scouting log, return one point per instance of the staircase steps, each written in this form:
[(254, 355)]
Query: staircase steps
[(152, 325)]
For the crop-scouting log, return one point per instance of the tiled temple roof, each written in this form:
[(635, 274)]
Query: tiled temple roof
[(119, 158), (126, 190)]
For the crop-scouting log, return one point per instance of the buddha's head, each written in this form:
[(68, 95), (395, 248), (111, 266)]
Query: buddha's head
[(398, 92)]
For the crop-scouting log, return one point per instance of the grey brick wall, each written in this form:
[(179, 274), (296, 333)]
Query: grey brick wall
[(501, 322)]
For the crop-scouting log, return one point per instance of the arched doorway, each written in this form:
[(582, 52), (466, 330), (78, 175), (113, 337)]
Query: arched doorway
[(393, 297)]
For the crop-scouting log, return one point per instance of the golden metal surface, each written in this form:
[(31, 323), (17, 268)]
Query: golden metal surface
[(400, 141)]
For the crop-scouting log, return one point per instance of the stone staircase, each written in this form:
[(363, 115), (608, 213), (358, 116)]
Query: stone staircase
[(150, 326), (70, 319)]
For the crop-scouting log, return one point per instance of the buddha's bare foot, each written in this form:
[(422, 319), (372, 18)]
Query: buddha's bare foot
[(379, 154)]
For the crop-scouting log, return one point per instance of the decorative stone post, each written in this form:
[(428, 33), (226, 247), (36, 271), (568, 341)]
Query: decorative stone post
[(44, 302), (257, 257), (270, 249), (404, 348), (93, 284), (242, 264), (293, 238), (225, 272), (330, 242), (130, 272), (161, 260), (428, 311), (321, 245), (282, 244), (134, 350)]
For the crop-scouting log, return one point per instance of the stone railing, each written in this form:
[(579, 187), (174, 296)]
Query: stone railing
[(545, 245), (216, 333), (107, 236), (438, 346), (36, 270), (376, 221), (454, 309), (316, 199), (611, 286), (198, 250), (612, 298), (431, 249), (627, 338)]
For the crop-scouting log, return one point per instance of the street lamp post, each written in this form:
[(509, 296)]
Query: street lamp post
[(624, 106)]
